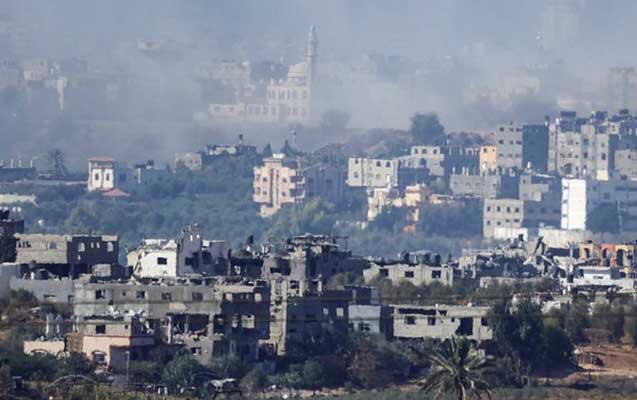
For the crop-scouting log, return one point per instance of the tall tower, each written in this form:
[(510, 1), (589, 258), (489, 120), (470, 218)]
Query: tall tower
[(311, 54)]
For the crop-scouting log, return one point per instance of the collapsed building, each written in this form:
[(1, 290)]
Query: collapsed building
[(297, 273)]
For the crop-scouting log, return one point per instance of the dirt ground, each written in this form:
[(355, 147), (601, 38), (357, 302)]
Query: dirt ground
[(617, 360)]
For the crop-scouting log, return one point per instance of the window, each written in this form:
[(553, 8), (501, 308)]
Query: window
[(189, 261), (431, 321), (140, 294), (100, 294), (410, 320), (107, 177), (53, 246), (197, 296), (409, 274), (100, 329), (167, 296), (383, 272), (195, 351), (162, 261), (97, 176), (436, 274)]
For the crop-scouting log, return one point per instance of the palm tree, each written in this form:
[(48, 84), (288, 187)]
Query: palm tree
[(456, 370)]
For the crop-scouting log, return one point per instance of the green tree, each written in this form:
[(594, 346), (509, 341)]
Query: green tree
[(267, 150), (76, 364), (630, 324), (57, 164), (457, 370), (5, 378), (314, 216), (451, 221), (426, 129), (254, 381), (390, 219), (603, 218), (313, 375), (557, 349), (577, 319), (181, 371), (144, 371), (610, 318), (230, 366)]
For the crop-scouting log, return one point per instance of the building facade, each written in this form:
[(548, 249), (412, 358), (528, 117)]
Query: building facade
[(285, 181)]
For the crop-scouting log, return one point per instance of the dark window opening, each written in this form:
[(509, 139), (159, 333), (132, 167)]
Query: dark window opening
[(466, 327)]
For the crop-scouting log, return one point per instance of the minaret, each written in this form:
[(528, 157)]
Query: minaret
[(311, 54)]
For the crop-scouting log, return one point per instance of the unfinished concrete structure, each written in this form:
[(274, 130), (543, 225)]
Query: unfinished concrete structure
[(68, 254), (444, 160), (210, 317), (440, 322), (111, 340), (522, 146), (424, 270), (502, 218), (626, 163), (485, 185), (310, 260), (297, 273), (372, 173), (582, 147)]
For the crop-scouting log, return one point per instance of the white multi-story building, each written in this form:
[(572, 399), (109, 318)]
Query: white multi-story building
[(286, 100), (105, 174), (573, 204), (580, 197)]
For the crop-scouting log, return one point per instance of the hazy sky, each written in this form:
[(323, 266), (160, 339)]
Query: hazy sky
[(451, 49)]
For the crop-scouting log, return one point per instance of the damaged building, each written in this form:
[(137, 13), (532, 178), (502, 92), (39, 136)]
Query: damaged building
[(190, 254), (300, 304), (419, 269), (49, 264), (441, 322), (208, 317)]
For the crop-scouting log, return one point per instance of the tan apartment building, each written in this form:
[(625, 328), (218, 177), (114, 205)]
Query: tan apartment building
[(488, 158), (285, 181)]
